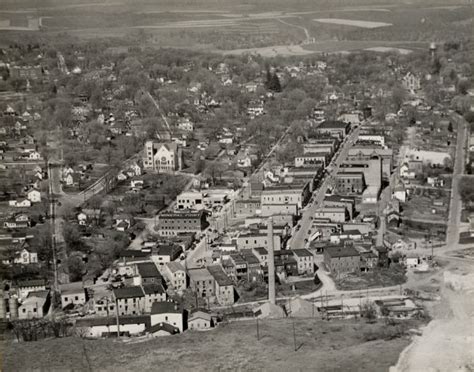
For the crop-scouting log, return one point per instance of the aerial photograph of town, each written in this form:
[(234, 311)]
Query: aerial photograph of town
[(237, 185)]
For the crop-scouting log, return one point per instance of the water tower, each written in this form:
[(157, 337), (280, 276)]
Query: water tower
[(433, 48)]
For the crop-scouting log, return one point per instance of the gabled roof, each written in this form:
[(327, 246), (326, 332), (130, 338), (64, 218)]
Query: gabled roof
[(200, 315), (175, 266), (31, 283), (163, 327)]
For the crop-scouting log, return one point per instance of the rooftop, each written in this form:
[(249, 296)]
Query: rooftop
[(165, 307), (219, 275), (335, 252), (175, 266), (199, 274), (128, 292), (303, 252), (153, 289), (95, 322), (148, 270)]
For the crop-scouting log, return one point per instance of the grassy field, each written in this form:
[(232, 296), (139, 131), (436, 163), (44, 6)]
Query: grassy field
[(321, 345), (378, 277)]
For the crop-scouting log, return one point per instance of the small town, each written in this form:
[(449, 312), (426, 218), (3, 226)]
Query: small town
[(177, 197)]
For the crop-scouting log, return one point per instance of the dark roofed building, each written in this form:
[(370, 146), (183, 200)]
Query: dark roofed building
[(149, 273), (224, 287), (342, 259), (130, 300)]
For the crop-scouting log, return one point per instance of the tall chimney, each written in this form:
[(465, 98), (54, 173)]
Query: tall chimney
[(271, 263)]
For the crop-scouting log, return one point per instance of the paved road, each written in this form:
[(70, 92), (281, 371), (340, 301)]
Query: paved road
[(455, 207), (297, 241)]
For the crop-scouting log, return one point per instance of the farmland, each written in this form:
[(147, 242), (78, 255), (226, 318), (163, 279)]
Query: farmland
[(335, 345), (266, 28)]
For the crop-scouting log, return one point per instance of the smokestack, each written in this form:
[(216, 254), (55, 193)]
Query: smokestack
[(271, 263)]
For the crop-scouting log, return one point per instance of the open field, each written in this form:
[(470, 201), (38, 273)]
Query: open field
[(325, 346), (352, 22)]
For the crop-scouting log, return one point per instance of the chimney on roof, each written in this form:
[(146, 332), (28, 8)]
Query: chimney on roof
[(271, 263)]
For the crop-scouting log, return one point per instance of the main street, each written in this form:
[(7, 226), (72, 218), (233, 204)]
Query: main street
[(455, 207), (298, 240)]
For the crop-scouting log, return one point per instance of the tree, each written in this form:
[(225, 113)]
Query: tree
[(463, 86), (73, 238), (450, 127), (76, 268), (398, 97), (368, 311), (466, 191)]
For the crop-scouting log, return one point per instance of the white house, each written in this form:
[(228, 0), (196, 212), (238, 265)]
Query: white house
[(20, 203), (34, 196), (167, 312), (34, 155), (200, 321)]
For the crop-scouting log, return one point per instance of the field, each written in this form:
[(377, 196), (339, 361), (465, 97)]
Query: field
[(352, 22), (321, 345), (268, 28), (377, 277)]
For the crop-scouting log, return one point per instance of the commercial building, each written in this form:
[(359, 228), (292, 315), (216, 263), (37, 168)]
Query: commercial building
[(304, 260), (334, 214), (246, 207), (202, 282), (312, 159), (342, 259), (283, 194), (175, 275), (190, 200), (368, 152), (256, 240), (336, 129), (341, 201), (174, 223), (224, 288), (350, 183), (130, 300)]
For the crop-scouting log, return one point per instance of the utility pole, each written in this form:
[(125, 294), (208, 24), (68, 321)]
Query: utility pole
[(53, 227), (258, 330), (294, 333), (117, 316)]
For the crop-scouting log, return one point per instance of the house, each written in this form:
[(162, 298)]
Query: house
[(26, 286), (400, 193), (34, 155), (305, 261), (224, 288), (81, 218), (36, 305), (186, 124), (101, 327), (412, 261), (24, 254), (153, 293), (130, 300), (72, 294), (342, 259), (175, 274), (163, 157), (200, 321), (72, 179), (168, 312), (34, 195), (136, 184), (20, 203), (163, 329)]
